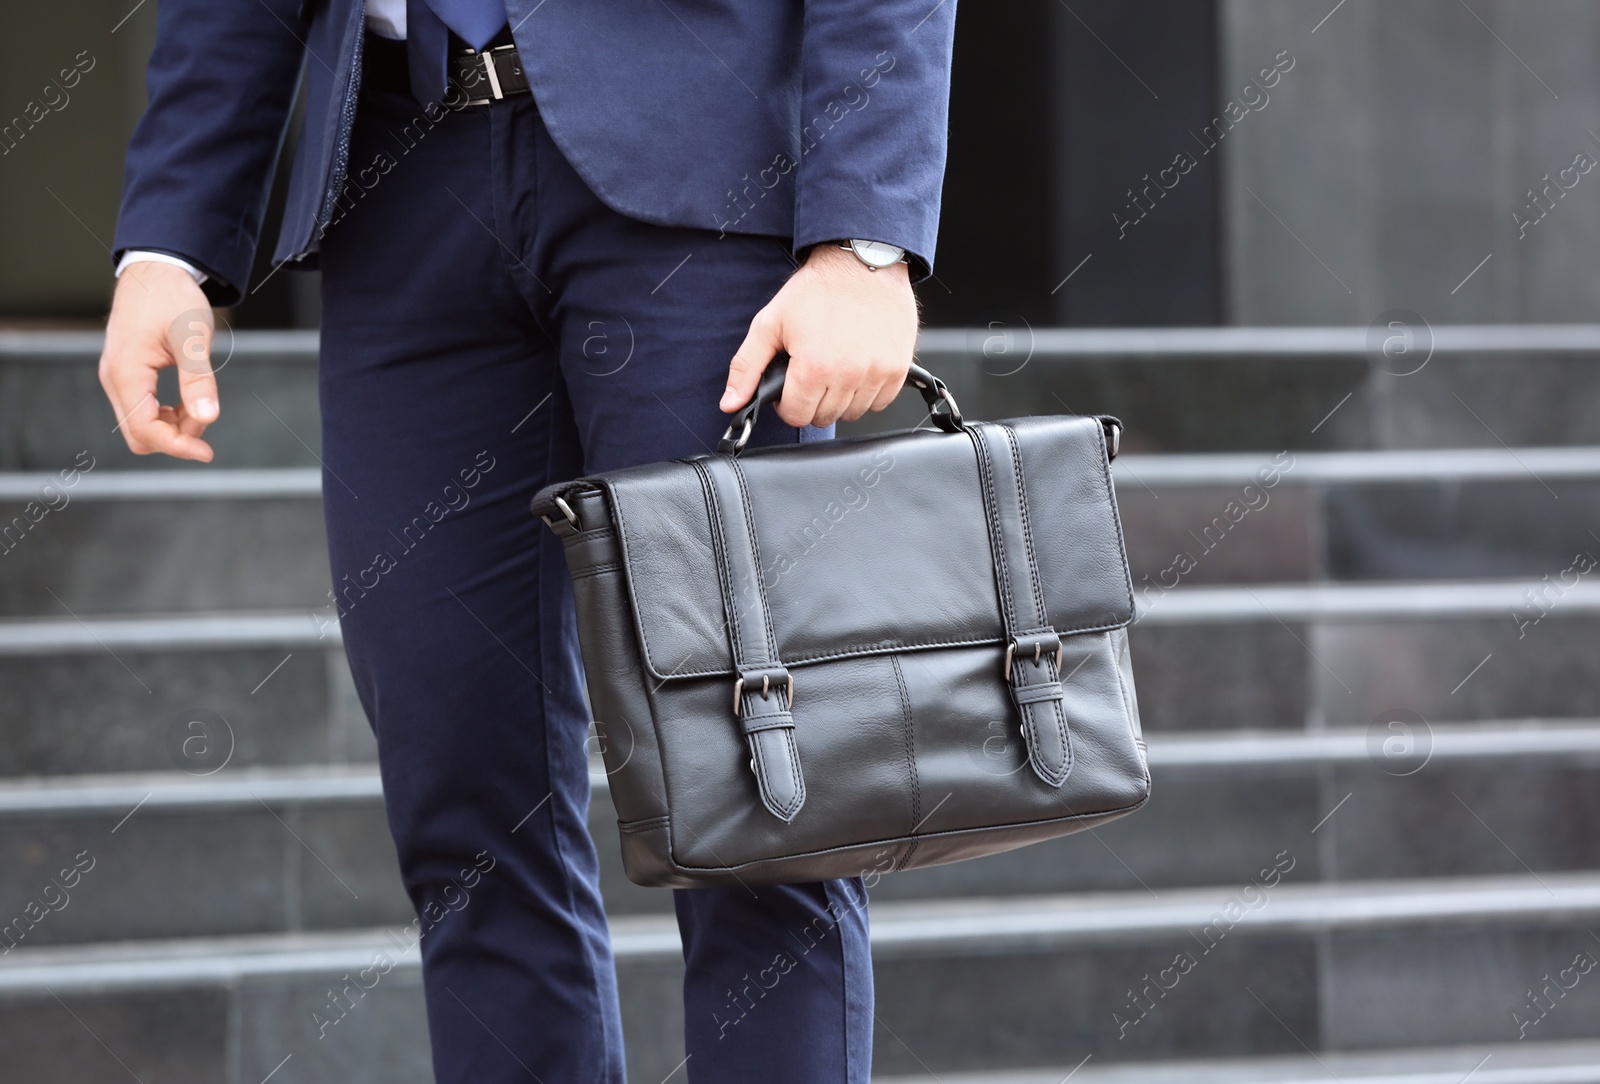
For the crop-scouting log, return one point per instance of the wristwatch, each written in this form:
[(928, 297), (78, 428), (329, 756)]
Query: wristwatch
[(875, 254)]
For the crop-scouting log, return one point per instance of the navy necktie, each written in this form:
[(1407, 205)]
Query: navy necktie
[(428, 26)]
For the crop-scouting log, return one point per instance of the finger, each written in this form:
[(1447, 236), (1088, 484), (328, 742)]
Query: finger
[(888, 392), (189, 341), (803, 390), (832, 404), (188, 424), (131, 391), (760, 346), (165, 433), (149, 427), (862, 401)]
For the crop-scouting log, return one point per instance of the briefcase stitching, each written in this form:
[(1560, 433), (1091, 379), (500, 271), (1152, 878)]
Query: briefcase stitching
[(597, 570), (911, 757)]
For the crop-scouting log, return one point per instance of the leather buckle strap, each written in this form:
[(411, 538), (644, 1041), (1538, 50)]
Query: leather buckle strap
[(763, 692), (498, 71), (1034, 676)]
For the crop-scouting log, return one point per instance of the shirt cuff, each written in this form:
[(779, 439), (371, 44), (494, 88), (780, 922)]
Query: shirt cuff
[(137, 255)]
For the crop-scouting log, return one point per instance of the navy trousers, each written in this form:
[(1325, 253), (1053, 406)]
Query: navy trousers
[(489, 326)]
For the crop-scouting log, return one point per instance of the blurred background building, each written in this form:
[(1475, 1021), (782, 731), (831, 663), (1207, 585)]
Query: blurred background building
[(1331, 261)]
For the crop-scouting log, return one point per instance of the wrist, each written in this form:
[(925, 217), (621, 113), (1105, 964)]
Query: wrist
[(874, 255), (828, 256), (152, 256), (141, 278)]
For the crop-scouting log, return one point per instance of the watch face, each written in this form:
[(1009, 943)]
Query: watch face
[(877, 253)]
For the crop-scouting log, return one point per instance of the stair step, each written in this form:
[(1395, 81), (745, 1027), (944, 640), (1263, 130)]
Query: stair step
[(1170, 756), (1575, 1062), (989, 926), (1287, 344), (199, 961), (1167, 471), (1314, 967), (1419, 466), (1180, 389), (981, 984), (120, 792), (196, 484), (1442, 515), (249, 851), (1052, 343), (217, 631), (92, 693), (1003, 925), (1210, 389), (1355, 601), (1261, 603), (220, 539), (1346, 654)]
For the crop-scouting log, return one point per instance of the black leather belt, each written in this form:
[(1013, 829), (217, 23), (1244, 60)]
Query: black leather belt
[(486, 77)]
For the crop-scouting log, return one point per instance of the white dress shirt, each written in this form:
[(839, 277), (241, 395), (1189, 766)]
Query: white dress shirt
[(385, 18)]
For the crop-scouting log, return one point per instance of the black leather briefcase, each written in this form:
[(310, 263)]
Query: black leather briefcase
[(856, 656)]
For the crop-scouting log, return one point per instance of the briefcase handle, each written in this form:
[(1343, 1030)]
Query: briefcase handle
[(942, 406)]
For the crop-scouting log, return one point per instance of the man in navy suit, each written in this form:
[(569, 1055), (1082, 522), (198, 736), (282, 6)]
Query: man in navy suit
[(554, 238)]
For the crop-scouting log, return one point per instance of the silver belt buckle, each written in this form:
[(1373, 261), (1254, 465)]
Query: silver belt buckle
[(487, 59), (494, 76)]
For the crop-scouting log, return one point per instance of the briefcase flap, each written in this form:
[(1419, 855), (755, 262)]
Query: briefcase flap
[(870, 545)]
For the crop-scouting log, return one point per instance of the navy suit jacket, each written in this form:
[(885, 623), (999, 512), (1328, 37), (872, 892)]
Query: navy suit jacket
[(813, 120)]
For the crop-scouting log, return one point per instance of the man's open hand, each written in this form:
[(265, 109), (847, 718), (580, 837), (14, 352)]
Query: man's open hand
[(849, 332), (159, 317)]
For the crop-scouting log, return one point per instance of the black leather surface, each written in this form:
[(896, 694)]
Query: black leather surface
[(886, 577)]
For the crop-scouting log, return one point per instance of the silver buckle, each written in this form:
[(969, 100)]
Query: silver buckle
[(766, 687), (494, 76), (953, 411), (567, 512), (744, 434), (1038, 653)]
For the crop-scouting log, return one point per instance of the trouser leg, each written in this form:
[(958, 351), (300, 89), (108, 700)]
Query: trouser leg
[(443, 411), (778, 986)]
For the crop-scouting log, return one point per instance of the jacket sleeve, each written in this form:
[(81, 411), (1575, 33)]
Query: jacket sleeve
[(874, 112), (222, 80)]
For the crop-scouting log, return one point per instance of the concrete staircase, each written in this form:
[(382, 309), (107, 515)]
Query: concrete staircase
[(1376, 755)]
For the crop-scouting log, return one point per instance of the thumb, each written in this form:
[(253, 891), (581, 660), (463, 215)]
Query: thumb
[(189, 339), (760, 345)]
